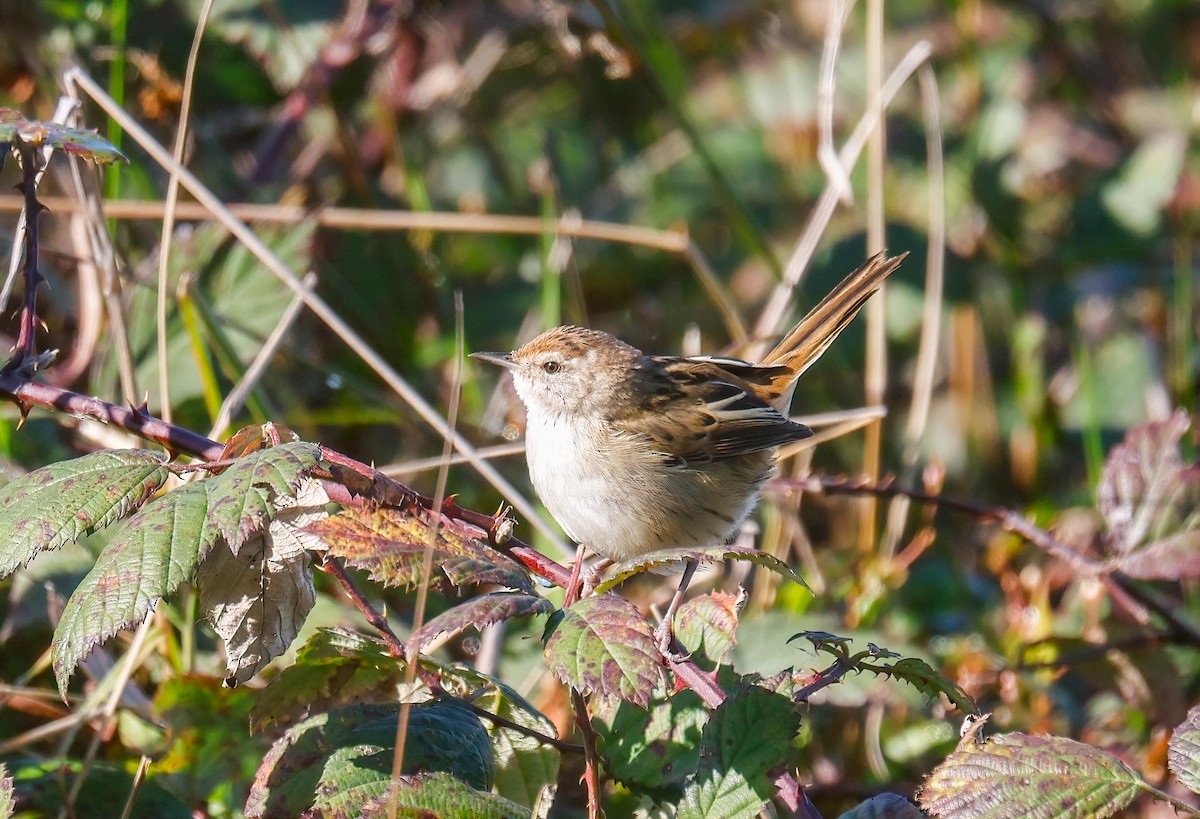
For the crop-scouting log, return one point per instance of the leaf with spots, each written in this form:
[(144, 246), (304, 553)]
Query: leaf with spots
[(478, 612), (603, 645), (334, 668), (706, 627), (1030, 777), (1148, 497), (334, 762), (1183, 751), (712, 554), (391, 543), (156, 551), (747, 739), (657, 747), (63, 502), (84, 144)]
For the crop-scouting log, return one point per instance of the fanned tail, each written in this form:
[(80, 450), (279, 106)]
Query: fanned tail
[(805, 342)]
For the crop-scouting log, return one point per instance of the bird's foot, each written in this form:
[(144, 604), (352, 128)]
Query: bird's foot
[(664, 638)]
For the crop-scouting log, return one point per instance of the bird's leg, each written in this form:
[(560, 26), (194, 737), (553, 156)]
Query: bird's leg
[(573, 583), (665, 633), (591, 578)]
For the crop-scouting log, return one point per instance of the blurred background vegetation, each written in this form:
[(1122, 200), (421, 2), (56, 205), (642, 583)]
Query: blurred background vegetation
[(1072, 199)]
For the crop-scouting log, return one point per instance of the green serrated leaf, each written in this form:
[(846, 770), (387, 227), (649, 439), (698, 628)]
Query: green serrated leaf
[(63, 502), (712, 554), (658, 747), (442, 796), (1183, 751), (706, 625), (334, 762), (242, 497), (747, 736), (481, 611), (335, 667), (605, 646), (921, 676), (884, 806), (7, 800), (155, 552), (1039, 777)]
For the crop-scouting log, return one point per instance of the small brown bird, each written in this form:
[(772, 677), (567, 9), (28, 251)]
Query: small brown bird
[(633, 453)]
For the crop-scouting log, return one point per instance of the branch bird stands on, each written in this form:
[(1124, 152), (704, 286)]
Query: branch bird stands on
[(634, 453)]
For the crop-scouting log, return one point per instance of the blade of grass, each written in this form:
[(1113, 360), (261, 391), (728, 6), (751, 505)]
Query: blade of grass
[(773, 317), (168, 225), (927, 348), (875, 370)]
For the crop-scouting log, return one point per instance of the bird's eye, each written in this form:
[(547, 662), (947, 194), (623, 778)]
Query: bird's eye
[(552, 367)]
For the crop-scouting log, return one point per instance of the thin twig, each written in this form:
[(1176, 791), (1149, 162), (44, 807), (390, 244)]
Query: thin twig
[(168, 224), (591, 755), (25, 349), (770, 322), (333, 567), (1011, 521)]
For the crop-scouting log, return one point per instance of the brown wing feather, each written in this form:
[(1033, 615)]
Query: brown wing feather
[(706, 410)]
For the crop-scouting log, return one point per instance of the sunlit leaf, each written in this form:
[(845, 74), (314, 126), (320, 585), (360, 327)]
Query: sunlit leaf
[(155, 552), (7, 799), (655, 747), (1040, 777), (479, 612), (1183, 751), (336, 761), (82, 143), (390, 544), (62, 502), (1143, 187), (258, 600), (605, 646), (921, 676), (334, 668), (748, 735), (712, 554), (705, 626)]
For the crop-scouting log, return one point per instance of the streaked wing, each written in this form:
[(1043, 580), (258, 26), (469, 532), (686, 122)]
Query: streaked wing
[(704, 410)]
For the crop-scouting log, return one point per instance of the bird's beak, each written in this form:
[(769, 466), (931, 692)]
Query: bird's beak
[(499, 359)]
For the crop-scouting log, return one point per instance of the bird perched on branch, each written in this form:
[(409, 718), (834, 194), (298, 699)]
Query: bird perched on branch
[(634, 453)]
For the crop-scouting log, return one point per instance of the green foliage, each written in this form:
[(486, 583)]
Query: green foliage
[(65, 501), (603, 644), (1023, 775), (161, 547), (747, 738), (1068, 328), (336, 761)]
